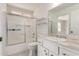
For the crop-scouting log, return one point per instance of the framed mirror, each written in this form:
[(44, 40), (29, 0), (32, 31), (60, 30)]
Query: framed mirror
[(65, 20), (60, 26), (63, 24)]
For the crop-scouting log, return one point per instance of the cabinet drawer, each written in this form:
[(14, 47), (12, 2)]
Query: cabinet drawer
[(39, 50), (45, 51), (52, 46), (42, 51), (52, 53), (64, 52)]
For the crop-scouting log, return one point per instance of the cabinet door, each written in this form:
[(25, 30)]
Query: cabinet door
[(69, 53), (65, 52), (15, 29), (45, 52), (52, 53), (52, 46), (42, 51)]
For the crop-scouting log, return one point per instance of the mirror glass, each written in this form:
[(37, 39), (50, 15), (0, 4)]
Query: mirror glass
[(64, 20), (74, 22), (63, 24)]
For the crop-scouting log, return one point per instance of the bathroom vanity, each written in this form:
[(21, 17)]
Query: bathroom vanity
[(69, 48), (52, 46), (47, 47)]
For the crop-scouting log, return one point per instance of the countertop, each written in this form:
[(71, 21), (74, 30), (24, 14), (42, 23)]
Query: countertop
[(72, 44)]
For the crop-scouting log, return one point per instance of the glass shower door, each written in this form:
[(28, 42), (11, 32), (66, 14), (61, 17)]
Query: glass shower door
[(16, 29)]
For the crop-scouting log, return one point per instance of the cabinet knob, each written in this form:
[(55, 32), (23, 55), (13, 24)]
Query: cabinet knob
[(64, 54), (44, 50), (45, 53), (52, 55)]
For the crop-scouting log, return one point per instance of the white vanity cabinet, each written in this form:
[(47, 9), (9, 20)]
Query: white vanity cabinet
[(47, 47), (42, 51), (52, 46), (45, 51), (52, 53), (64, 51), (39, 50)]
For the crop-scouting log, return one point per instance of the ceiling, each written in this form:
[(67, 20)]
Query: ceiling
[(33, 6)]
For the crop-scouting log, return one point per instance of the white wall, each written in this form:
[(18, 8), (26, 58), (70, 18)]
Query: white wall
[(2, 26), (42, 10)]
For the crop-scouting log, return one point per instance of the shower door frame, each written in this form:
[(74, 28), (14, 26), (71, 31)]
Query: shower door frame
[(7, 31)]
